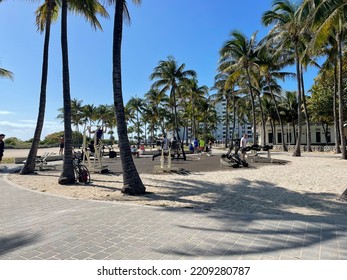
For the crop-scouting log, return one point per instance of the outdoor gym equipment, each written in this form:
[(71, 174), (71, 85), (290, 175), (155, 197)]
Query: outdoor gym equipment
[(93, 153), (255, 157), (165, 162), (232, 158), (41, 162)]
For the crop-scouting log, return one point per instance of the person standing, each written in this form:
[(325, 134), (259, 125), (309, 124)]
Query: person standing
[(196, 145), (2, 146), (61, 145), (243, 145)]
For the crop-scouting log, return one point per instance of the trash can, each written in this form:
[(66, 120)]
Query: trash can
[(113, 154)]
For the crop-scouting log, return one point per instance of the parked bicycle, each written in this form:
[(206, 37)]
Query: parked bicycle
[(81, 171)]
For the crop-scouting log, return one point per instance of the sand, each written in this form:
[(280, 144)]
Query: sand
[(306, 185)]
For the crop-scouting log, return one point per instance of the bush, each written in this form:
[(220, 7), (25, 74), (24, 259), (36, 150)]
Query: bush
[(15, 143), (54, 139)]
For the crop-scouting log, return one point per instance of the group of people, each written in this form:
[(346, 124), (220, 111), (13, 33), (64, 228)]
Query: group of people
[(199, 146)]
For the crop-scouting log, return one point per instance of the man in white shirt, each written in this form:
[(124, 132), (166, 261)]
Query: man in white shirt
[(243, 144)]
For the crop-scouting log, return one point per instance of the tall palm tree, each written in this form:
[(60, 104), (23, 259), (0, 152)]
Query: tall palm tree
[(224, 92), (287, 33), (44, 16), (328, 18), (330, 50), (90, 8), (132, 183), (242, 50), (169, 75), (270, 65)]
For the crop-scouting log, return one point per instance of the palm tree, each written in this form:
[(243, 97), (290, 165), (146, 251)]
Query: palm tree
[(90, 9), (169, 75), (270, 65), (328, 18), (241, 50), (330, 50), (156, 100), (44, 15), (132, 183), (136, 107), (289, 105), (224, 92), (193, 94), (287, 33)]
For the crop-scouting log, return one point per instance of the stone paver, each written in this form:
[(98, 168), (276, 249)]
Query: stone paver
[(40, 226)]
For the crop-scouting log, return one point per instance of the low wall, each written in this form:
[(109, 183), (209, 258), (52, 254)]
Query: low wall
[(315, 148)]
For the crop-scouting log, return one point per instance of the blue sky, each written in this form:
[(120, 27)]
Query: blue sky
[(192, 31)]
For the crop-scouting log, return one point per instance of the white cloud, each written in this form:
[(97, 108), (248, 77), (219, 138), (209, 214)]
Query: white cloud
[(24, 129), (6, 113)]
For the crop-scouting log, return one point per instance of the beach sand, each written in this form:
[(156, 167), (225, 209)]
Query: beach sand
[(307, 185)]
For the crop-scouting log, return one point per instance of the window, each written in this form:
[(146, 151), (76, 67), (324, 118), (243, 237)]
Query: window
[(279, 138)]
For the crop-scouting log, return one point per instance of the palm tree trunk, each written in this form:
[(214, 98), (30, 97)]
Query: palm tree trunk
[(173, 92), (253, 107), (67, 175), (262, 119), (307, 117), (336, 119), (294, 131), (273, 132), (297, 149), (284, 147), (132, 183), (29, 165), (234, 116), (340, 96), (227, 122)]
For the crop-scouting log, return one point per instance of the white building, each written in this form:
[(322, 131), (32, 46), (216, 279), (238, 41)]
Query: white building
[(240, 129)]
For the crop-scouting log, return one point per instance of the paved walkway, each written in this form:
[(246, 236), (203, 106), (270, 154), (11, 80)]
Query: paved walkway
[(39, 226)]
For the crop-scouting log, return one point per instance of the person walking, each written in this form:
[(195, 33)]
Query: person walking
[(2, 146)]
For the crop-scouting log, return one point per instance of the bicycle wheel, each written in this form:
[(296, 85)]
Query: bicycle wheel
[(84, 176)]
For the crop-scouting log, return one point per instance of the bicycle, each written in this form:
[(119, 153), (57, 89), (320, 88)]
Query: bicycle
[(81, 171)]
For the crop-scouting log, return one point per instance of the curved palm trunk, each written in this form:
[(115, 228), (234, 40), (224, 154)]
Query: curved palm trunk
[(67, 175), (132, 183), (29, 165), (297, 149), (336, 120), (307, 117), (284, 147)]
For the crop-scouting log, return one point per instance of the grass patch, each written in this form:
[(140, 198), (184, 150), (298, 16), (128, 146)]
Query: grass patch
[(7, 160)]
